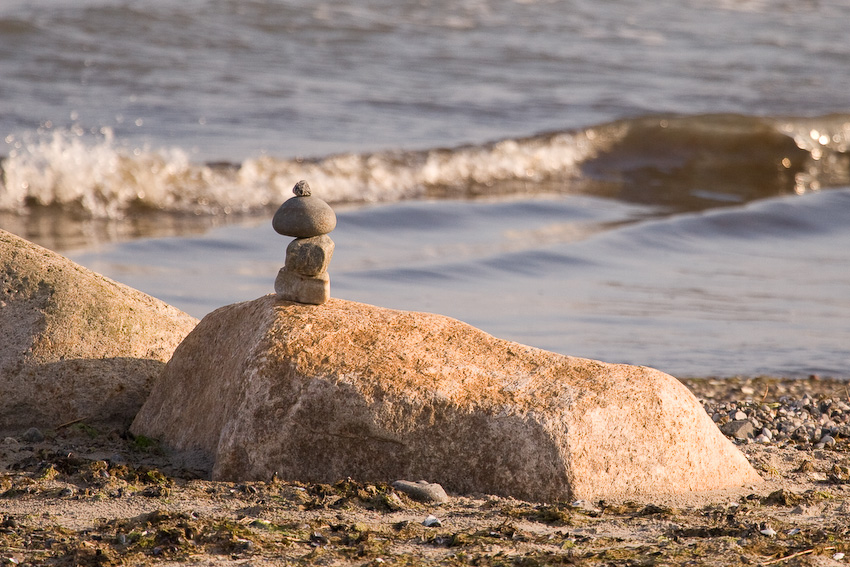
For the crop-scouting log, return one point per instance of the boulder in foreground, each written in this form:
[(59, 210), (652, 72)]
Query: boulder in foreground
[(320, 393), (75, 344)]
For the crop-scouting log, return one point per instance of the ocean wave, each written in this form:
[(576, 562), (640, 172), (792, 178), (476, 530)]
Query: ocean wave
[(684, 162)]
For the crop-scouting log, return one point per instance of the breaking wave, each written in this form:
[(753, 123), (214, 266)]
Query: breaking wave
[(679, 161)]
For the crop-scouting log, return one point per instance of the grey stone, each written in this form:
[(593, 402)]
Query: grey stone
[(33, 435), (304, 216), (828, 440), (302, 189), (423, 491), (739, 429), (313, 290), (309, 256)]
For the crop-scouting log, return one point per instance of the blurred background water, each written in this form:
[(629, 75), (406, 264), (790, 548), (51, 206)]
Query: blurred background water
[(660, 183)]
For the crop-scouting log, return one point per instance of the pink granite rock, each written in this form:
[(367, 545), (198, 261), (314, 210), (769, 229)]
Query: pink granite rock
[(320, 393), (74, 344)]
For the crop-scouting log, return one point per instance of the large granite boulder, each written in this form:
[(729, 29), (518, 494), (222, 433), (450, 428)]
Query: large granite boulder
[(320, 393), (76, 345)]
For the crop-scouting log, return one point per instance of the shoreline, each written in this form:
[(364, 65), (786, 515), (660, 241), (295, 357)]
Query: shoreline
[(89, 497)]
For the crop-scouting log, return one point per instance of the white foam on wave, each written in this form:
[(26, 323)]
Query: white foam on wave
[(92, 174), (95, 175), (392, 176)]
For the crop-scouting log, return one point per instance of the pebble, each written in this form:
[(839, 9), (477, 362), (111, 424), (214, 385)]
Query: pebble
[(33, 435), (818, 422), (423, 491), (827, 440), (432, 522), (304, 216), (739, 429)]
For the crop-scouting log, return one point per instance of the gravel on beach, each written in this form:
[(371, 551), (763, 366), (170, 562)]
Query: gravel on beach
[(782, 412)]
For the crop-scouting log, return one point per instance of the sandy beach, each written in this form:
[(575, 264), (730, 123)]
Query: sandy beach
[(82, 496)]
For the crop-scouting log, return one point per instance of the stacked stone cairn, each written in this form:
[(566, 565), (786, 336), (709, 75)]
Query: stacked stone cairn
[(304, 277)]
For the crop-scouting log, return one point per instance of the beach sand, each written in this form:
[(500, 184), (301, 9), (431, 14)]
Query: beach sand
[(82, 496)]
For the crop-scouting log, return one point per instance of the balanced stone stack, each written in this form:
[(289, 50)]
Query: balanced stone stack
[(304, 277)]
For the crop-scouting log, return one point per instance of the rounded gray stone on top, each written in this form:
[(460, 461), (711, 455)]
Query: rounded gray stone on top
[(304, 216)]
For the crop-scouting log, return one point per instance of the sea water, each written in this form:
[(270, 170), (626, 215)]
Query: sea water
[(658, 183)]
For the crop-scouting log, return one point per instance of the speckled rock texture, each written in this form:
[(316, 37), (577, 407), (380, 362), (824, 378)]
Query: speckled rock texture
[(309, 256), (74, 344), (321, 393), (293, 286)]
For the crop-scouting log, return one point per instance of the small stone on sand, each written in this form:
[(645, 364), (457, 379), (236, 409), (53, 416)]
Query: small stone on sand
[(432, 522), (739, 429), (423, 491), (33, 435)]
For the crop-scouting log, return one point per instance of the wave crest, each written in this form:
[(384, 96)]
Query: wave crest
[(664, 160)]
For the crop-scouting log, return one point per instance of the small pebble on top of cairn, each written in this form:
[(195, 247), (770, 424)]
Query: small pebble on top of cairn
[(304, 277)]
